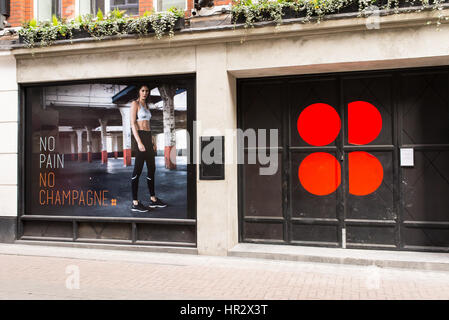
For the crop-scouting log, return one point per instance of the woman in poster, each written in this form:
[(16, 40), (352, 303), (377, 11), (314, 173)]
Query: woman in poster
[(140, 125)]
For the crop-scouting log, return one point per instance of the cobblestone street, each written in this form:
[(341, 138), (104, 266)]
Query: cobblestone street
[(47, 273)]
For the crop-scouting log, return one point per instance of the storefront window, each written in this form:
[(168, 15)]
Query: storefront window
[(45, 9), (85, 157)]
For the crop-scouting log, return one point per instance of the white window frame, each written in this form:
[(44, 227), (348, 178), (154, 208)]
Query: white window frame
[(157, 9), (107, 4), (36, 9), (107, 7)]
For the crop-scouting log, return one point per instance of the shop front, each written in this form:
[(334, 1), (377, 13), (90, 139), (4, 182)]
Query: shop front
[(360, 149)]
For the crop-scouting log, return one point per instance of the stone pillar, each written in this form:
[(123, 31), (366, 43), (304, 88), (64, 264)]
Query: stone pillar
[(104, 146), (216, 234), (89, 144), (168, 94), (72, 146), (79, 133), (126, 128)]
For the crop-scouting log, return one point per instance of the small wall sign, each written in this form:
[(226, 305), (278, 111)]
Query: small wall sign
[(212, 158), (407, 157)]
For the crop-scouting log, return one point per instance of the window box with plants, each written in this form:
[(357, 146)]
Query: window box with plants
[(116, 23), (249, 12)]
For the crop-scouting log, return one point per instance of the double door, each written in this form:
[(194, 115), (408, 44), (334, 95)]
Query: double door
[(362, 160)]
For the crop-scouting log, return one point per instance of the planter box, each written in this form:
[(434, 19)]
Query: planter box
[(289, 13), (38, 39), (239, 19), (83, 33), (353, 7), (180, 24), (80, 34)]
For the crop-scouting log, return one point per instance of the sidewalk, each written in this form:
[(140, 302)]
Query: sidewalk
[(39, 272)]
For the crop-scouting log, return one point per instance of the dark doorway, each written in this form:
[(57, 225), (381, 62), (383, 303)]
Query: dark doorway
[(340, 181)]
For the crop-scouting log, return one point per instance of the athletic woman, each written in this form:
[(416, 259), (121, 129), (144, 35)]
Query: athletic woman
[(140, 125)]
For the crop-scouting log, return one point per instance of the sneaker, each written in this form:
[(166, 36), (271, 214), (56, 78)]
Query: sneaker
[(139, 207), (157, 204)]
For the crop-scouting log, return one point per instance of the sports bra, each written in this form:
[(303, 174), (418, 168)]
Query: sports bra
[(143, 113)]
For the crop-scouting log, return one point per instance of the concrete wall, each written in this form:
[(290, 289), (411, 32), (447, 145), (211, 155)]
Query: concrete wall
[(220, 57), (8, 146)]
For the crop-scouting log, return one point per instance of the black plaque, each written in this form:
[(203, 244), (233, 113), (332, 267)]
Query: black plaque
[(212, 170)]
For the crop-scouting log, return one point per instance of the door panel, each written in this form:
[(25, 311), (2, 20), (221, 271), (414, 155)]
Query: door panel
[(371, 235), (315, 233), (424, 126), (263, 192), (305, 93), (426, 187), (379, 204), (424, 108), (377, 92), (305, 204)]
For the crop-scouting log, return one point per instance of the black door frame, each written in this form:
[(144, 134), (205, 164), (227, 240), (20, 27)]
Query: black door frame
[(188, 225), (399, 223)]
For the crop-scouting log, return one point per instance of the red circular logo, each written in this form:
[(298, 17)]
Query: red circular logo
[(320, 173)]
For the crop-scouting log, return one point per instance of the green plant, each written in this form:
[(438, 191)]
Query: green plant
[(115, 23), (272, 10), (100, 16), (177, 12)]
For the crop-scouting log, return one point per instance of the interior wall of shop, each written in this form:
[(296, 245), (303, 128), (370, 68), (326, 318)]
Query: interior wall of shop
[(218, 58)]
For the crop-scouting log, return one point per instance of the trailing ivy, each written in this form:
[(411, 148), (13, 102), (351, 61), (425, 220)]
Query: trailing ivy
[(249, 12), (116, 23)]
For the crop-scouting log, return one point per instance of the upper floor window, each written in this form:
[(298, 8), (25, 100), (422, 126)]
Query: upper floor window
[(164, 5), (131, 6), (45, 9), (92, 6)]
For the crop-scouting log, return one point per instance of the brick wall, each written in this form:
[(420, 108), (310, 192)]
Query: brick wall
[(68, 9), (145, 5), (190, 4), (222, 2), (21, 10)]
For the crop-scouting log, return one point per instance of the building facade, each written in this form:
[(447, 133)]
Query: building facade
[(361, 121)]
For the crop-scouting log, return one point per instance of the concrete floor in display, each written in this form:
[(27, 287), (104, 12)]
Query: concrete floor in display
[(170, 186)]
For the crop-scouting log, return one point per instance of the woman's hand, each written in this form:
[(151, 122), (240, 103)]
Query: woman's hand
[(154, 147), (141, 147)]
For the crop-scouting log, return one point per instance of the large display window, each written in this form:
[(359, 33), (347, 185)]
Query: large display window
[(112, 151)]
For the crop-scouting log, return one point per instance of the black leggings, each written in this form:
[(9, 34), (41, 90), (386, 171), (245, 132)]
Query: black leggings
[(141, 157)]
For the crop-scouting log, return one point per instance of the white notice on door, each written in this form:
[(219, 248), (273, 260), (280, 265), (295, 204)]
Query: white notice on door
[(407, 157)]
